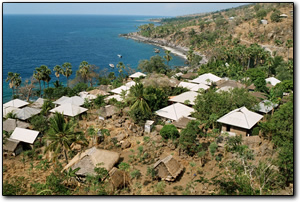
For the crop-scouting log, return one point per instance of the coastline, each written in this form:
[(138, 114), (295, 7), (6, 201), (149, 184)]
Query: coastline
[(178, 50)]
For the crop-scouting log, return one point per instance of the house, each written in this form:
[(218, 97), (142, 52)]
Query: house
[(60, 100), (117, 97), (119, 178), (175, 111), (9, 109), (27, 112), (266, 106), (69, 109), (97, 92), (125, 87), (137, 75), (193, 86), (168, 168), (207, 79), (272, 80), (229, 83), (17, 103), (189, 75), (20, 140), (108, 111), (11, 124), (187, 98), (74, 100), (38, 103), (239, 121), (88, 160)]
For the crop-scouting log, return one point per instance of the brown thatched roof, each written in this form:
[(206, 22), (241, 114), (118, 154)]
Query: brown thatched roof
[(98, 92), (189, 75), (92, 158), (11, 124), (105, 88), (108, 111), (118, 178), (10, 145), (172, 166), (182, 122), (230, 83), (158, 80), (259, 95)]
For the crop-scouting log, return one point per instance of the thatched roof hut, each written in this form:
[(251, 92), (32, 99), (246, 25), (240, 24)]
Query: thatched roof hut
[(92, 158), (98, 92), (230, 83), (182, 122), (11, 124), (168, 168), (189, 75), (108, 111), (259, 95), (105, 88), (158, 80), (119, 178)]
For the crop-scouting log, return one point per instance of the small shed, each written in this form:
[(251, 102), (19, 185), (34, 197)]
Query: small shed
[(119, 178), (168, 168), (92, 158), (11, 124), (13, 146), (239, 121), (148, 126), (16, 103), (264, 22)]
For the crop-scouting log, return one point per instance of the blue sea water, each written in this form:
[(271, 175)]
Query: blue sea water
[(30, 41)]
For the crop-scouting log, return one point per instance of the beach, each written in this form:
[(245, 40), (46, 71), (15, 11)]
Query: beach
[(178, 50)]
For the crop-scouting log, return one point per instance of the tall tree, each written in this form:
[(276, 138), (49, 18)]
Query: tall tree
[(84, 70), (67, 70), (45, 71), (61, 135), (168, 57), (58, 70), (14, 80), (37, 74)]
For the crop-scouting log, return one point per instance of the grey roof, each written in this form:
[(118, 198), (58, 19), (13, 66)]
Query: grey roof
[(15, 103), (10, 145), (27, 112), (11, 124), (241, 117), (266, 106)]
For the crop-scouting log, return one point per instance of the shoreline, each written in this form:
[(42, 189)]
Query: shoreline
[(178, 50)]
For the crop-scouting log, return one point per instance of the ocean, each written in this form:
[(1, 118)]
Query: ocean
[(30, 41)]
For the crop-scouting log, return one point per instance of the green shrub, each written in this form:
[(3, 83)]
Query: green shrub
[(255, 131), (169, 132)]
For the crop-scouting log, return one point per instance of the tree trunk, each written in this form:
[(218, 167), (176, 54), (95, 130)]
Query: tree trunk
[(248, 63), (40, 87), (67, 82), (66, 157)]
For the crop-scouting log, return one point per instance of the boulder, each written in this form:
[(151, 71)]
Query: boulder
[(121, 136), (125, 144)]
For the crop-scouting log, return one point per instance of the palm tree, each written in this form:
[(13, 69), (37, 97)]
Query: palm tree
[(67, 70), (45, 71), (84, 70), (58, 70), (168, 57), (61, 135), (137, 99), (14, 81), (37, 74)]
